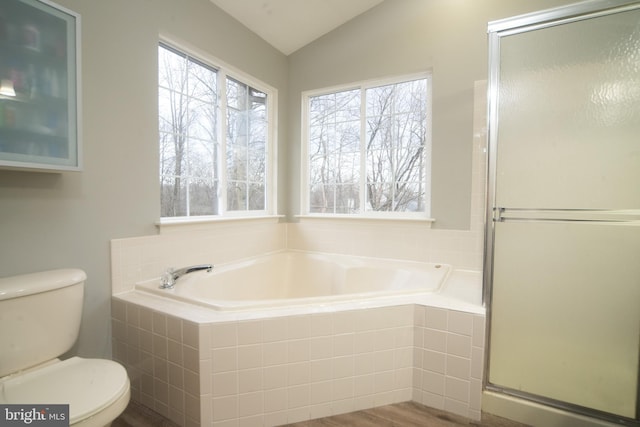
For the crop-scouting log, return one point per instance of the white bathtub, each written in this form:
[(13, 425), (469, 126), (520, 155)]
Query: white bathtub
[(286, 279)]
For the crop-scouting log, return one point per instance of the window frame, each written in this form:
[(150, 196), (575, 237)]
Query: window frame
[(362, 86), (225, 71)]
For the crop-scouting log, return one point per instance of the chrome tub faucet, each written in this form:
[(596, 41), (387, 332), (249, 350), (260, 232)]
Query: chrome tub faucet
[(171, 275)]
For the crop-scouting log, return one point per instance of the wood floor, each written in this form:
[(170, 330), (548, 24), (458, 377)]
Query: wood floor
[(407, 414), (137, 415)]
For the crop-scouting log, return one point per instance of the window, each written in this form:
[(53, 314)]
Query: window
[(215, 140), (369, 150)]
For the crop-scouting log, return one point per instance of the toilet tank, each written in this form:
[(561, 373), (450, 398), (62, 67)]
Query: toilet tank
[(39, 317)]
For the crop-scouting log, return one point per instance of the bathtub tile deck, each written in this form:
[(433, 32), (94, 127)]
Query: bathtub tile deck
[(407, 414)]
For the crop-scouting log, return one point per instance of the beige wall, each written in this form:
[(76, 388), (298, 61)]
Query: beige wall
[(399, 37), (68, 219)]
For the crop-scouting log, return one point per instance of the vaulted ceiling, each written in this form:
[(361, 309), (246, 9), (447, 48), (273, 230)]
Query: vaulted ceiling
[(289, 25)]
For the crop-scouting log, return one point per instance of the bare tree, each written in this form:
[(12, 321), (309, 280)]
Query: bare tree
[(246, 147), (334, 151), (394, 149), (188, 163), (396, 122), (173, 118)]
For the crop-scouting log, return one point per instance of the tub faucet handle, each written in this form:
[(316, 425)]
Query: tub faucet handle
[(171, 275), (167, 280)]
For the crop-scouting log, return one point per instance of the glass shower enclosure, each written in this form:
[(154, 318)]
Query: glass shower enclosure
[(562, 269)]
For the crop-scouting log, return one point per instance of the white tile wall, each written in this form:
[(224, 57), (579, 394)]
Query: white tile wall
[(294, 368), (411, 241), (448, 360), (143, 258), (161, 354)]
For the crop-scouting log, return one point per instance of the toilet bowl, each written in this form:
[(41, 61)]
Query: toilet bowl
[(39, 320)]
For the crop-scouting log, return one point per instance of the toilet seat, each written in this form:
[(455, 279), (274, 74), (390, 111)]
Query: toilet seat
[(87, 385)]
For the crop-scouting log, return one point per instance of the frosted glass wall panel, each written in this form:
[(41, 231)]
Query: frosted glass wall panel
[(569, 115), (565, 312)]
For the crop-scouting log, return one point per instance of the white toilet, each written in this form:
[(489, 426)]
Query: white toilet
[(39, 321)]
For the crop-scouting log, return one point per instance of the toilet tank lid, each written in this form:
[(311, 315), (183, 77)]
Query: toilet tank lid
[(33, 283)]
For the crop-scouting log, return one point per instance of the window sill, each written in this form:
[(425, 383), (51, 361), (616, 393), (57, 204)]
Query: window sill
[(184, 223), (362, 218)]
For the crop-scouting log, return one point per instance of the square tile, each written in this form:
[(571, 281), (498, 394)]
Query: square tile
[(436, 318), (249, 356), (174, 328), (190, 334), (224, 335), (225, 408), (299, 327), (299, 373), (275, 329), (343, 388), (321, 370), (159, 324), (479, 323), (321, 325), (249, 332), (298, 350), (275, 377), (343, 345), (224, 384), (435, 340), (250, 380), (434, 361), (458, 367), (457, 389), (321, 392), (383, 360), (298, 396), (459, 345), (275, 400), (433, 382), (342, 366), (460, 323), (224, 359)]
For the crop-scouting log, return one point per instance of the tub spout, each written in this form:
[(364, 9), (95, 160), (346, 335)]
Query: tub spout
[(170, 276)]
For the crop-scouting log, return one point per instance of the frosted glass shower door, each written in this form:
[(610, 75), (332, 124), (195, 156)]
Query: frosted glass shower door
[(566, 312), (568, 115), (564, 230)]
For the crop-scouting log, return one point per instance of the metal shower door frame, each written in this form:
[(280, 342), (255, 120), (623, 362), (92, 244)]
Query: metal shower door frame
[(496, 30)]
